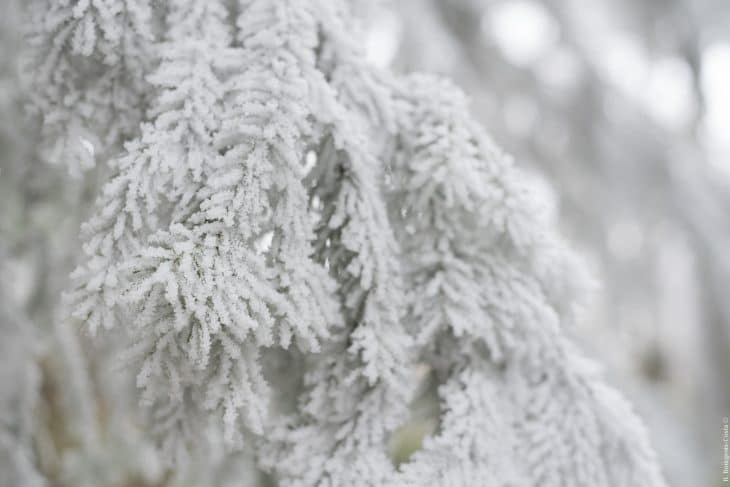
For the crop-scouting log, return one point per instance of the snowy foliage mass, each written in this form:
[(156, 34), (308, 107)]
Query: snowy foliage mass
[(298, 249)]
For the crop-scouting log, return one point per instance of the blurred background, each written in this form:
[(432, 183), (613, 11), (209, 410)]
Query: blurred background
[(621, 107)]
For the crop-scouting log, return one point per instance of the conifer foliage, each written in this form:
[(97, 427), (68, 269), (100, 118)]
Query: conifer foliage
[(287, 234)]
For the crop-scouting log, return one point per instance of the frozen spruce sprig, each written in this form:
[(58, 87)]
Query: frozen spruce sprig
[(179, 248), (87, 67), (482, 266), (356, 391), (284, 203)]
